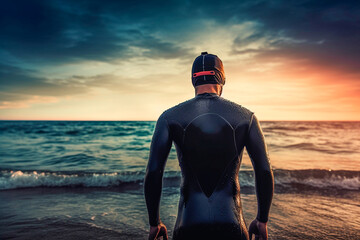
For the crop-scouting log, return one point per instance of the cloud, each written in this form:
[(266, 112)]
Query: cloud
[(53, 32), (21, 81), (20, 87), (324, 33), (136, 41)]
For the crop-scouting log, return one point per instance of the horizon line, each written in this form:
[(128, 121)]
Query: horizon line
[(124, 120)]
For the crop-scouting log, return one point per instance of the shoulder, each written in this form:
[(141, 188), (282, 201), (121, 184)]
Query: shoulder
[(176, 109), (238, 108)]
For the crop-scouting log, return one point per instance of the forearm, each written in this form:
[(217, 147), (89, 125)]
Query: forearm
[(159, 150), (264, 178), (152, 191), (264, 191)]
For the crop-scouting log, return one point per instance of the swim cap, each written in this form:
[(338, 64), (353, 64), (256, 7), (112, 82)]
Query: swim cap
[(207, 69)]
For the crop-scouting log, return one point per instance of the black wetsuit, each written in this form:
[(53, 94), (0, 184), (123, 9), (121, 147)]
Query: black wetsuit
[(209, 133)]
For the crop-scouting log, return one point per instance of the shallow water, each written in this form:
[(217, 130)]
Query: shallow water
[(87, 213), (83, 180)]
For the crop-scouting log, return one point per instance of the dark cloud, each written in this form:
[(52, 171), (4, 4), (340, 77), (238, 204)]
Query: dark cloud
[(325, 33), (66, 31), (20, 84)]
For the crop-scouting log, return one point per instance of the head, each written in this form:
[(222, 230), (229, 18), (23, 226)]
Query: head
[(208, 74)]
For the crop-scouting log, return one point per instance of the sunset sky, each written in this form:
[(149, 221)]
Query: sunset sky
[(131, 60)]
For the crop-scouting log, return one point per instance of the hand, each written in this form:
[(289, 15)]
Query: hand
[(259, 229), (157, 231)]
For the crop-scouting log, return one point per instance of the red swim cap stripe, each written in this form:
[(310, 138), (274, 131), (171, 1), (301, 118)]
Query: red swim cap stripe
[(204, 73)]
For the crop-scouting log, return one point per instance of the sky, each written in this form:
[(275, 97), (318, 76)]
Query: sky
[(131, 60)]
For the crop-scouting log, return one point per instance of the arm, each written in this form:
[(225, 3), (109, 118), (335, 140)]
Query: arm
[(264, 179), (159, 151)]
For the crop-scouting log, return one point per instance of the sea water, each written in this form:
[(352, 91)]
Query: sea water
[(84, 180)]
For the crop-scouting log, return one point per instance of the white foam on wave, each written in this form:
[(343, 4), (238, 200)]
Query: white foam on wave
[(333, 181), (19, 179)]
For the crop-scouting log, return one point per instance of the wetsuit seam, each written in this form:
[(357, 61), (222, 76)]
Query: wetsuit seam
[(208, 114), (236, 154), (216, 186), (225, 121), (237, 125), (250, 123), (178, 124), (197, 180), (183, 129), (222, 176), (235, 143)]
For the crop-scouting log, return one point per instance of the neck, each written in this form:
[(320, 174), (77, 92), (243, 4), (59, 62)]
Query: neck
[(208, 88)]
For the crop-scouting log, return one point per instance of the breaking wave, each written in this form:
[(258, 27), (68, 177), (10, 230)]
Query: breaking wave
[(287, 179)]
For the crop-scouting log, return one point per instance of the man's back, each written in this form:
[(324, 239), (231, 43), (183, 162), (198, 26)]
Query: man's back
[(210, 133)]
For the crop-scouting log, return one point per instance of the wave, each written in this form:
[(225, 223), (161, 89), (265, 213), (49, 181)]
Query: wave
[(78, 128), (285, 179), (28, 179), (284, 128), (330, 148), (80, 159), (317, 178)]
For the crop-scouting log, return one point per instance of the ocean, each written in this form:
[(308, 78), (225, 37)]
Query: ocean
[(84, 180)]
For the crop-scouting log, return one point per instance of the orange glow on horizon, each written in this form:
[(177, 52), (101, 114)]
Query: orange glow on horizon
[(283, 90)]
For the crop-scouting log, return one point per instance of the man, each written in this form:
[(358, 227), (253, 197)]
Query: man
[(209, 133)]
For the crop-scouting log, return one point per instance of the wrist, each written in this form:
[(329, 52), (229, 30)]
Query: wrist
[(262, 220), (155, 224)]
